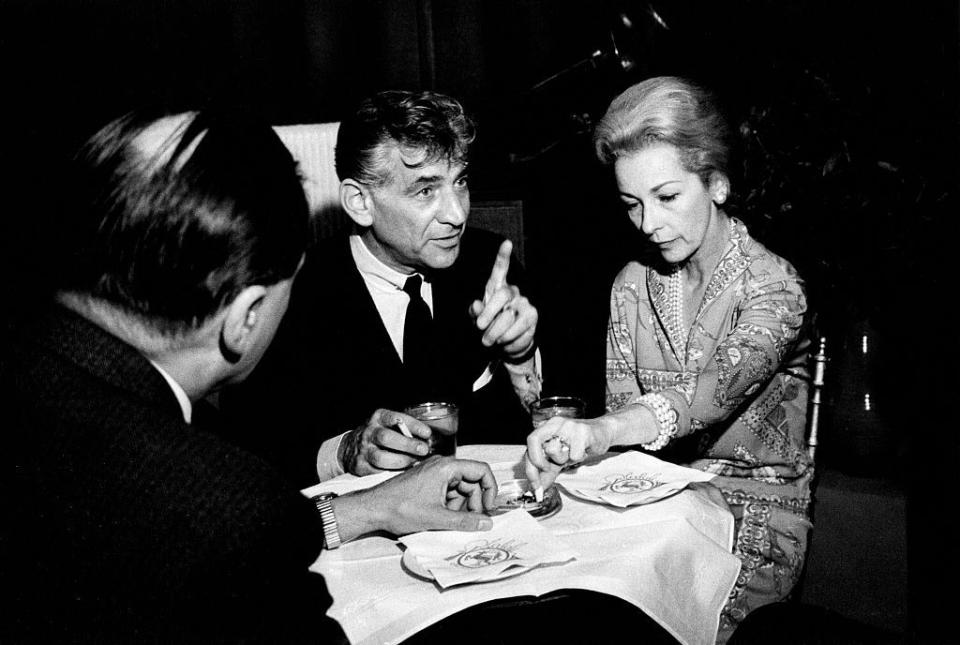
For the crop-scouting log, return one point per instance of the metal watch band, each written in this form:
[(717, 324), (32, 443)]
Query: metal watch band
[(331, 534)]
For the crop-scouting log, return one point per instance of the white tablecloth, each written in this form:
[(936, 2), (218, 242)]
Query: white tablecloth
[(671, 558)]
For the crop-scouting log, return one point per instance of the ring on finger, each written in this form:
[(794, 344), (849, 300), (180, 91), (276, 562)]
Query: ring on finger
[(564, 446)]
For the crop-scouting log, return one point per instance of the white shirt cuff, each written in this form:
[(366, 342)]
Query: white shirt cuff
[(328, 463), (483, 379)]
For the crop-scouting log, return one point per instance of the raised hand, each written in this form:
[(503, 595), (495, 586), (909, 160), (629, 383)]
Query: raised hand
[(506, 318)]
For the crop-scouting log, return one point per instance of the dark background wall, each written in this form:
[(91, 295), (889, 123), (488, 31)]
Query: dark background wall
[(848, 114)]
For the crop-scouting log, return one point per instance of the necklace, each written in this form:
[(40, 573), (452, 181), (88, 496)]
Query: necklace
[(675, 308)]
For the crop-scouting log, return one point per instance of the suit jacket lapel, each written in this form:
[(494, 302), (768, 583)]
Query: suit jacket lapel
[(456, 332), (355, 309)]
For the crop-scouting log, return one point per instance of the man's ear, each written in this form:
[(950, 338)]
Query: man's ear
[(355, 199), (241, 322)]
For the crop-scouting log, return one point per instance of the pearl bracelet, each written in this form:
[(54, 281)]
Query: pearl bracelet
[(666, 416)]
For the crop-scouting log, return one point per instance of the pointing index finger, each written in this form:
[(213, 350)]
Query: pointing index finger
[(498, 275)]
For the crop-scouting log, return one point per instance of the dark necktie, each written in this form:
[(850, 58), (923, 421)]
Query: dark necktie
[(417, 331)]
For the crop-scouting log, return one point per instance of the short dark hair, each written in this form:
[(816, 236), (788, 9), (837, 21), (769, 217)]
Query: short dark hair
[(427, 121), (171, 235), (670, 110)]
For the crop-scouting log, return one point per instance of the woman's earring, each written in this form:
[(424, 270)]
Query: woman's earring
[(721, 194)]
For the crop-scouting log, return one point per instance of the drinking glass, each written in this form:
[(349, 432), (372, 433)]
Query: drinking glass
[(556, 406), (443, 419)]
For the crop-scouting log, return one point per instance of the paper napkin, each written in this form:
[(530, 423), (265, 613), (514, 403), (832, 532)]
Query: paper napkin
[(516, 542), (629, 479)]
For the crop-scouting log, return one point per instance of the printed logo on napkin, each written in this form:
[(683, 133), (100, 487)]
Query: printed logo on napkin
[(629, 479), (485, 553), (516, 543)]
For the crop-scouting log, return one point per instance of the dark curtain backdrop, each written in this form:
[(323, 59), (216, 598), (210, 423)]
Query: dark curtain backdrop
[(847, 111)]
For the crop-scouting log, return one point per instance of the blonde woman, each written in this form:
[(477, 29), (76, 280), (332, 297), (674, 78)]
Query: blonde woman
[(706, 353)]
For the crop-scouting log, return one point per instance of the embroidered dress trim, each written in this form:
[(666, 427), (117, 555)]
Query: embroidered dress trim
[(618, 370), (735, 261), (663, 296), (793, 505), (659, 380)]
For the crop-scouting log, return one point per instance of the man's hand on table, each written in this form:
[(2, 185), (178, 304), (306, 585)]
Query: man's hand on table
[(506, 318), (439, 493), (380, 445)]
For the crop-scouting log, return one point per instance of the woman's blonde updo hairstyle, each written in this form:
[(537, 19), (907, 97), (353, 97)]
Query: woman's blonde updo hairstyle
[(666, 110)]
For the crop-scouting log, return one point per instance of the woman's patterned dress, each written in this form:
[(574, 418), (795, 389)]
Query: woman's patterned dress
[(739, 385)]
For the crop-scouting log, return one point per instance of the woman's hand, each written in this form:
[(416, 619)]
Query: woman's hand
[(561, 443)]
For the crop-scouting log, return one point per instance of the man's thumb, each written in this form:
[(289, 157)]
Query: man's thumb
[(461, 521)]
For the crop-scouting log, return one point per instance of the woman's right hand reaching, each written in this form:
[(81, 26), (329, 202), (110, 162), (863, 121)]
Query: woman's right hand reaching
[(563, 443)]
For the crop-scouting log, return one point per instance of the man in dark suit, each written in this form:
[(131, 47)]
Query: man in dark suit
[(129, 517), (348, 347)]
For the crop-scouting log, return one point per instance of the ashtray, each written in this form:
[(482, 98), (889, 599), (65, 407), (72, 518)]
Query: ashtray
[(516, 493)]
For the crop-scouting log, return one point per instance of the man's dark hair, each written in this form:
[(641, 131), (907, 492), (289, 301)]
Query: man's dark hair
[(423, 121), (172, 234)]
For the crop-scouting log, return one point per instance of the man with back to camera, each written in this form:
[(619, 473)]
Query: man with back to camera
[(343, 351), (132, 520)]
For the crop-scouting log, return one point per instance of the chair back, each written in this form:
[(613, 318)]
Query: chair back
[(819, 361), (312, 146)]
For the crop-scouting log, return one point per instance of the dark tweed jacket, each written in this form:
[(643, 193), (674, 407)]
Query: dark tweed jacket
[(125, 524)]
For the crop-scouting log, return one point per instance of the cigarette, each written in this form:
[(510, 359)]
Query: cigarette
[(404, 429), (538, 493)]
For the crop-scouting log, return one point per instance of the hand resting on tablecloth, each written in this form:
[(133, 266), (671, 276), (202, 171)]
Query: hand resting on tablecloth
[(439, 493)]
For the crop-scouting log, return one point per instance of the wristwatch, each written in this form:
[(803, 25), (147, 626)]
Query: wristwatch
[(331, 534)]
